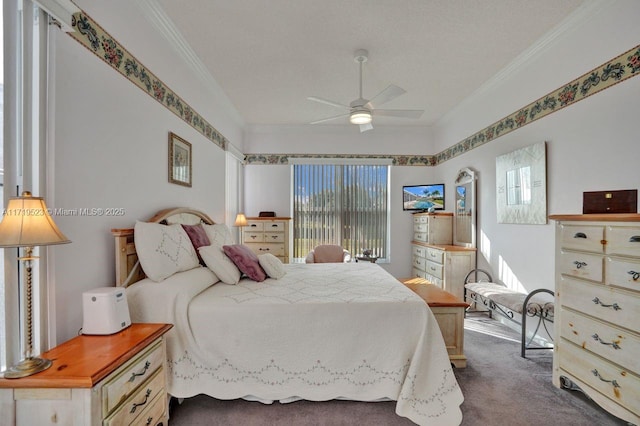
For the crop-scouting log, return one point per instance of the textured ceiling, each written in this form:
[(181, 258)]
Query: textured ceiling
[(269, 56)]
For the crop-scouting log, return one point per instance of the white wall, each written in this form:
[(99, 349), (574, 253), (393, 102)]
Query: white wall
[(590, 145), (111, 148)]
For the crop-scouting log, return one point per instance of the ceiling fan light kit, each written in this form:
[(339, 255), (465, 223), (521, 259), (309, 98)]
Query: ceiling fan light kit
[(361, 111)]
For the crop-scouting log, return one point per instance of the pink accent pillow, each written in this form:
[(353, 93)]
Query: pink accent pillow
[(198, 237), (246, 261), (328, 254)]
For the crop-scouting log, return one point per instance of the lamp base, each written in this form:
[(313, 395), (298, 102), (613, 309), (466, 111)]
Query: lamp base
[(27, 367)]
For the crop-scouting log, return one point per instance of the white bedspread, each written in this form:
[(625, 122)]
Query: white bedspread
[(323, 331)]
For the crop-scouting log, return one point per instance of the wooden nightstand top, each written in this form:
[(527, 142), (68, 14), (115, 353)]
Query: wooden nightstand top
[(85, 360), (432, 294)]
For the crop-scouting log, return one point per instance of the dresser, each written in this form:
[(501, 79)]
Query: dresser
[(434, 258), (597, 318), (268, 235), (111, 380)]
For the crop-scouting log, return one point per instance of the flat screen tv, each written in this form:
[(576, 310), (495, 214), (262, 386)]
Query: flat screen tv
[(423, 197)]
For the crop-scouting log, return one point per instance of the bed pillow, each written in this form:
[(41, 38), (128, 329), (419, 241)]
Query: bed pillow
[(198, 237), (272, 266), (220, 264), (163, 250), (219, 234), (246, 261)]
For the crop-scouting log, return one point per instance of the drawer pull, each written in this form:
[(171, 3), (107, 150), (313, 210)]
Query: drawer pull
[(135, 406), (144, 370), (579, 264), (274, 237), (149, 420), (274, 225), (263, 249), (612, 344), (615, 306), (613, 382), (253, 225), (253, 237), (634, 275), (580, 235), (635, 239)]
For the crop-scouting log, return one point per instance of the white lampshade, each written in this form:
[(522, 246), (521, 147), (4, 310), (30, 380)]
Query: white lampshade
[(27, 223), (360, 117), (241, 220)]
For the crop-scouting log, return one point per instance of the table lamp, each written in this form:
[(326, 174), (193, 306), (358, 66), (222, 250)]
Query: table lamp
[(27, 223)]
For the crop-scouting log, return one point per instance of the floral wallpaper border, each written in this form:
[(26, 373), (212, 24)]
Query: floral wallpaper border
[(97, 40), (607, 75)]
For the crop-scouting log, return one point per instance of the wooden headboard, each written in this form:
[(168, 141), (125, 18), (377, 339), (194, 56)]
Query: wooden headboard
[(128, 269)]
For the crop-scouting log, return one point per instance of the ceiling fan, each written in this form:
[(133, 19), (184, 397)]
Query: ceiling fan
[(361, 111)]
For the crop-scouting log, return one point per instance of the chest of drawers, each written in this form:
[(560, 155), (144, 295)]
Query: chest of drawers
[(433, 228), (268, 235), (443, 265), (597, 325), (95, 380)]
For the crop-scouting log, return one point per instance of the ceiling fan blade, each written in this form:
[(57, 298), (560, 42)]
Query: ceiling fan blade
[(391, 92), (327, 102), (365, 127), (403, 113), (330, 118)]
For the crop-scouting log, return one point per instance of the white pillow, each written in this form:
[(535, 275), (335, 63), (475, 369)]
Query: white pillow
[(219, 234), (272, 266), (220, 264), (163, 250)]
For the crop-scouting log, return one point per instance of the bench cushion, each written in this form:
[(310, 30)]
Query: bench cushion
[(509, 298)]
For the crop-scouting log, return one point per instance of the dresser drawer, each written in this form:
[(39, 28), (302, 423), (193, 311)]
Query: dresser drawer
[(624, 273), (623, 240), (419, 263), (420, 236), (617, 345), (419, 251), (616, 383), (276, 249), (254, 226), (434, 269), (420, 219), (582, 237), (421, 227), (581, 265), (415, 272), (433, 279), (435, 255), (255, 237), (618, 307), (130, 377), (135, 405), (274, 226), (274, 237)]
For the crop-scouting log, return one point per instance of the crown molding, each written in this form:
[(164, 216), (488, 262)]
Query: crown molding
[(156, 15)]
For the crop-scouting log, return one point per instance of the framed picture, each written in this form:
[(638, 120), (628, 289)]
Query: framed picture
[(521, 185), (179, 160)]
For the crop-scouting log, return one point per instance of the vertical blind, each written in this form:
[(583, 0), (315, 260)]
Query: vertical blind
[(340, 204)]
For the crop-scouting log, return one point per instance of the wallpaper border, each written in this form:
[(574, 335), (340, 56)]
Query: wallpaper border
[(92, 36)]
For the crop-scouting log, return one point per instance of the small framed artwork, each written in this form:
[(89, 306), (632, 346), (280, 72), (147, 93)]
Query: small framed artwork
[(179, 160), (521, 185)]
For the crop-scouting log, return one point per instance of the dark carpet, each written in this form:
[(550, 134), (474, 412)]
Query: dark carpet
[(500, 388)]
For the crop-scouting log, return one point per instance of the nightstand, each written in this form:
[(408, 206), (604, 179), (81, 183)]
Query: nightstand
[(449, 312), (117, 379), (363, 258)]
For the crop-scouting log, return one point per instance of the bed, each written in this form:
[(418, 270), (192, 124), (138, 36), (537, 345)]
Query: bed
[(320, 332)]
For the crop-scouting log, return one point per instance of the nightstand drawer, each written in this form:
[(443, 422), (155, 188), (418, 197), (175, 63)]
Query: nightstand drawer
[(130, 377), (135, 405)]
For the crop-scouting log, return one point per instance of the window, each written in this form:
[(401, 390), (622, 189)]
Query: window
[(345, 204)]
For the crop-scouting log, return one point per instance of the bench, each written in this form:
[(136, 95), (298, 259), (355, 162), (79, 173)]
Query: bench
[(498, 298), (449, 313)]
